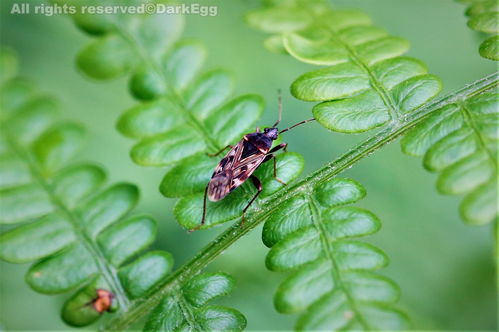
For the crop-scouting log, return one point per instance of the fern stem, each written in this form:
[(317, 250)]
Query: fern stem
[(233, 233), (108, 272)]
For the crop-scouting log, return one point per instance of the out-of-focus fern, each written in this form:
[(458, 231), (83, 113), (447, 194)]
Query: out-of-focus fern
[(182, 114), (79, 234), (367, 83), (331, 283), (460, 143), (484, 17)]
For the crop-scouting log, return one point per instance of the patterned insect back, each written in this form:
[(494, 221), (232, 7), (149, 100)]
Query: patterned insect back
[(235, 168)]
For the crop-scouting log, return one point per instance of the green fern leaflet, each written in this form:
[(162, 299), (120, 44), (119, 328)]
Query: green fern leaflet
[(460, 143), (79, 234), (484, 17)]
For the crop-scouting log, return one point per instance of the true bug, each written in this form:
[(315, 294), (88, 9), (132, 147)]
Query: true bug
[(242, 160)]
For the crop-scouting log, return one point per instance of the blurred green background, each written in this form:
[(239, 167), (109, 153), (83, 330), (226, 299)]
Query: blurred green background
[(444, 268)]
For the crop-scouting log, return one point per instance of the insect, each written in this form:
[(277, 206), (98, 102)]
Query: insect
[(242, 160), (103, 300)]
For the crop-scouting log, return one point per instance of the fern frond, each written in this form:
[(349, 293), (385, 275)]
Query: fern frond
[(484, 17), (331, 284), (79, 234), (271, 204), (460, 143), (367, 84), (182, 113), (170, 314)]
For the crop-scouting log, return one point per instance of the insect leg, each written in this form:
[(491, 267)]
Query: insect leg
[(218, 152), (279, 147), (204, 212), (204, 205), (275, 173), (258, 186), (267, 158)]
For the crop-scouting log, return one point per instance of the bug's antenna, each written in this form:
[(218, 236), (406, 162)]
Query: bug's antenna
[(279, 103), (296, 125)]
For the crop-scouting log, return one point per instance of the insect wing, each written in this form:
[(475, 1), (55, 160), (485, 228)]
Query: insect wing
[(243, 170), (232, 171), (230, 158)]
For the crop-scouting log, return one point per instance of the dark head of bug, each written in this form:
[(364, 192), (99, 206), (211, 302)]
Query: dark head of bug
[(259, 141), (271, 133)]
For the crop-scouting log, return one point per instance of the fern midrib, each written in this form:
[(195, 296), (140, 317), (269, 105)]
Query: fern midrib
[(107, 270), (468, 119), (146, 58), (189, 316), (234, 232), (335, 269), (386, 96)]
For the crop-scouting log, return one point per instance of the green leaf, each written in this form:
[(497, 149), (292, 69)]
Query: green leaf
[(8, 64), (77, 235), (189, 210), (339, 192), (75, 183), (275, 45), (189, 176), (149, 119), (489, 49), (78, 309), (289, 166), (279, 19), (483, 17), (108, 207), (375, 313), (33, 241), (13, 172), (334, 312), (122, 41), (145, 272), (125, 239), (33, 118), (14, 94), (183, 63), (331, 284), (57, 145), (192, 299), (205, 287), (168, 148), (106, 58), (183, 113), (231, 121), (485, 22), (147, 84), (208, 93), (460, 143), (23, 203), (367, 84)]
